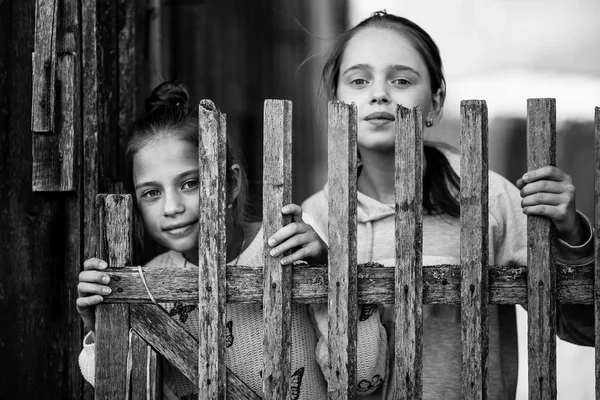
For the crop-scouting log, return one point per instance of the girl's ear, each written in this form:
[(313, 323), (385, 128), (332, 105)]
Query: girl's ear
[(436, 106), (236, 182)]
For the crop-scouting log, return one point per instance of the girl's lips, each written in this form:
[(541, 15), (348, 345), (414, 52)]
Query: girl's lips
[(380, 115), (179, 230)]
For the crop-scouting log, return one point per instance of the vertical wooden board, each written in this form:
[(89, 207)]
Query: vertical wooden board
[(474, 250), (541, 276), (408, 294), (277, 297), (597, 244), (55, 155), (44, 64), (112, 345), (126, 59), (145, 372), (342, 300), (155, 42), (212, 250), (112, 320)]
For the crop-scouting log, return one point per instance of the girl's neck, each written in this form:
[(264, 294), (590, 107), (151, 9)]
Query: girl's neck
[(377, 178)]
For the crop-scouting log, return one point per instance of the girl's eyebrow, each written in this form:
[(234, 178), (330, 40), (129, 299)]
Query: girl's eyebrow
[(191, 172), (389, 68)]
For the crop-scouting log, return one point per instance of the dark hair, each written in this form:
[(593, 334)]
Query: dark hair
[(168, 115), (438, 187)]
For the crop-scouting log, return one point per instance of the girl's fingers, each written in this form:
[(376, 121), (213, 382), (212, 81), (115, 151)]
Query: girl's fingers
[(549, 199), (545, 173), (94, 277), (546, 186), (89, 301), (85, 289), (301, 254), (294, 210), (295, 228), (94, 263), (292, 242)]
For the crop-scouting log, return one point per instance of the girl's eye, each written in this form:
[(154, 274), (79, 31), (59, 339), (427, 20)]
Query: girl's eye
[(150, 194), (358, 81), (191, 184), (401, 81)]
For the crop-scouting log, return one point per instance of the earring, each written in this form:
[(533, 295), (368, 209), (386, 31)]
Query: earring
[(429, 123), (230, 205)]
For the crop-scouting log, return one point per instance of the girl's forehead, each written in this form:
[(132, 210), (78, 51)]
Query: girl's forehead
[(374, 46)]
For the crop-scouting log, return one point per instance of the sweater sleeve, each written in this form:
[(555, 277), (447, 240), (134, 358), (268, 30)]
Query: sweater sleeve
[(574, 323), (87, 359)]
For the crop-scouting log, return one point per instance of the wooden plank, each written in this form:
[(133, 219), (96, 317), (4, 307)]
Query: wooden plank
[(178, 346), (155, 42), (212, 249), (474, 250), (127, 74), (441, 284), (44, 65), (597, 245), (408, 331), (541, 279), (112, 320), (146, 378), (277, 283), (342, 304), (55, 155)]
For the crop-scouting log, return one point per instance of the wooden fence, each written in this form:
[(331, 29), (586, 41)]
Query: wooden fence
[(342, 284)]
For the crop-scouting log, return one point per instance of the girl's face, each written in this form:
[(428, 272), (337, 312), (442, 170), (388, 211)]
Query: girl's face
[(165, 177), (379, 70)]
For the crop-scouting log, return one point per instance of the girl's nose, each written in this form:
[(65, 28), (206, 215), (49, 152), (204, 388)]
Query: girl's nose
[(173, 205), (379, 94)]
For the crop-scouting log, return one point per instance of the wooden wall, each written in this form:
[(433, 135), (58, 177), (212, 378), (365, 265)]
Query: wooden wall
[(235, 52)]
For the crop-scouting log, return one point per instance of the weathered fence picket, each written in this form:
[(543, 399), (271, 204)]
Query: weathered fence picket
[(342, 284), (474, 248), (342, 303), (541, 275), (408, 271), (597, 246), (277, 292)]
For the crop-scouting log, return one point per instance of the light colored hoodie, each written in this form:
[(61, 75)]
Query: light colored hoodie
[(441, 323)]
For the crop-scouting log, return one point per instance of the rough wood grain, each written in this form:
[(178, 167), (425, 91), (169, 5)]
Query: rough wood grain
[(212, 250), (597, 245), (146, 378), (55, 155), (474, 248), (127, 73), (408, 330), (44, 65), (541, 282), (112, 320), (115, 225), (342, 304), (441, 284), (179, 347), (277, 283)]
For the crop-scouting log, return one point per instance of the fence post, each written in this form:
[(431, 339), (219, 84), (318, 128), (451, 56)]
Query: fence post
[(277, 297), (541, 276), (112, 320), (342, 303), (474, 247), (212, 249), (408, 288), (597, 246)]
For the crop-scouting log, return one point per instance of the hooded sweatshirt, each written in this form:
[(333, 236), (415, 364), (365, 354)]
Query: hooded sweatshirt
[(442, 323)]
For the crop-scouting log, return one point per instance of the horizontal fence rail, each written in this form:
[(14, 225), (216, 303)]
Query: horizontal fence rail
[(127, 321)]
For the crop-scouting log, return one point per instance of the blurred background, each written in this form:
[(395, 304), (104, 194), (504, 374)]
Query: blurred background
[(239, 53)]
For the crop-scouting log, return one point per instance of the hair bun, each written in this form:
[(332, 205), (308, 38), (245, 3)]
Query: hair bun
[(167, 96)]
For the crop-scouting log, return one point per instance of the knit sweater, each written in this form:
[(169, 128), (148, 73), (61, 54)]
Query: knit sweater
[(442, 323), (244, 325)]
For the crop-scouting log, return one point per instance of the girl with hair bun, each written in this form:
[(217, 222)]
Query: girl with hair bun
[(162, 160)]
